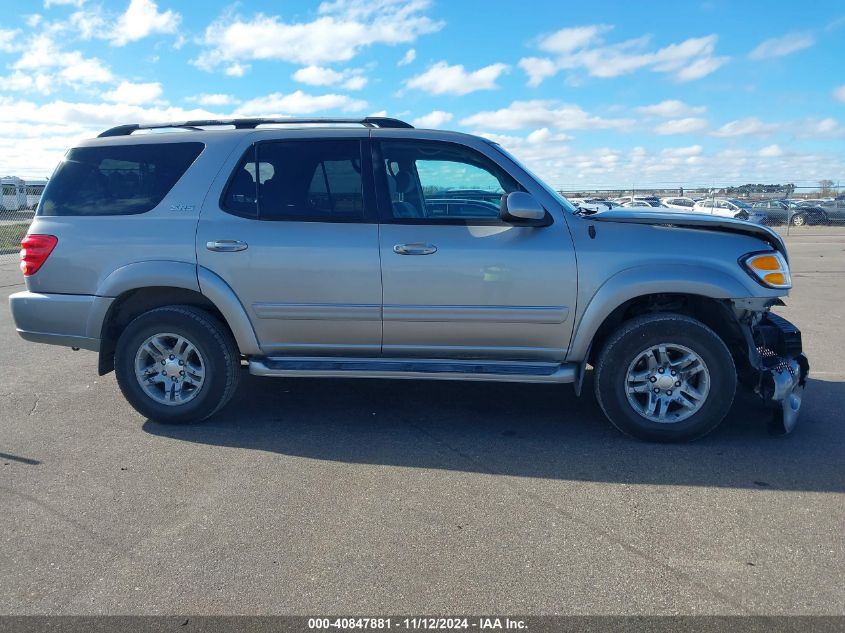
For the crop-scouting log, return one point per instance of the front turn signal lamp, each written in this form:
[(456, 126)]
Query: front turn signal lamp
[(769, 268)]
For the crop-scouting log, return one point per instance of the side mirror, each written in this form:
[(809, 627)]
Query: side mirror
[(522, 208)]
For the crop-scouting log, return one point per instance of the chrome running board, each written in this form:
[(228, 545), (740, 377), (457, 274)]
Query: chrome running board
[(413, 368)]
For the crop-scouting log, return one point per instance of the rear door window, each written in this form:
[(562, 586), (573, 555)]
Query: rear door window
[(116, 179), (307, 181)]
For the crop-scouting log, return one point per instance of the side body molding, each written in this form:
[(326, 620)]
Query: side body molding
[(221, 295), (645, 280)]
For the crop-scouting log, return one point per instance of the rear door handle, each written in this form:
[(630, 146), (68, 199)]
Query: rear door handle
[(226, 246), (414, 249)]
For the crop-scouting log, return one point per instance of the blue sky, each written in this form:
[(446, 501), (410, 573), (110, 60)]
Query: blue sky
[(587, 93)]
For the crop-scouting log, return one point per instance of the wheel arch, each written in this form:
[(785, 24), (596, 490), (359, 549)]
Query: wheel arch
[(697, 292), (182, 287)]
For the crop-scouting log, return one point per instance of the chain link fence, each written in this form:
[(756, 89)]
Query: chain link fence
[(13, 226)]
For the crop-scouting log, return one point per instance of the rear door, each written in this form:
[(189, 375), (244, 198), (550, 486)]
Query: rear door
[(458, 281), (293, 231)]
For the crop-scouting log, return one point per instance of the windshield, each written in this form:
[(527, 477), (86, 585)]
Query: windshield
[(566, 204), (739, 203)]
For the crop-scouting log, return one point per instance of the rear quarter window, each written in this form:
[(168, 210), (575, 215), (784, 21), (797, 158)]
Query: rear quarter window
[(116, 179)]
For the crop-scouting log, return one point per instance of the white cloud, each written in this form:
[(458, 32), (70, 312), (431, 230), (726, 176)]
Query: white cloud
[(8, 39), (782, 45), (298, 102), (87, 24), (671, 108), (687, 125), (433, 119), (826, 126), (538, 69), (573, 168), (215, 99), (839, 93), (568, 40), (441, 78), (81, 70), (236, 70), (409, 56), (355, 83), (340, 31), (142, 18), (29, 82), (819, 128), (134, 93), (53, 3), (690, 151), (541, 113), (750, 126), (699, 68), (351, 78), (50, 128), (582, 48), (771, 151), (50, 66)]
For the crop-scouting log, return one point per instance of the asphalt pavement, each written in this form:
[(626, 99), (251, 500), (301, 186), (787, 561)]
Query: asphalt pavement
[(368, 497)]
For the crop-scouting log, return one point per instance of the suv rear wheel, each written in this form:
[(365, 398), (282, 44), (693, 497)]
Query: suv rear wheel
[(177, 364), (665, 378)]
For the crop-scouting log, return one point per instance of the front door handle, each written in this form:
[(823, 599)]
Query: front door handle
[(414, 249), (226, 246)]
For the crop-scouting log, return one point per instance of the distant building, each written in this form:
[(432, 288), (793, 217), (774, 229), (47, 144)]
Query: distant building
[(13, 193), (34, 189)]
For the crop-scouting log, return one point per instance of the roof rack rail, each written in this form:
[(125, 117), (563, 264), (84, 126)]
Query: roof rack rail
[(243, 124)]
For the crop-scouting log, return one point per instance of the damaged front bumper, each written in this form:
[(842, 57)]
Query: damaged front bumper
[(778, 368)]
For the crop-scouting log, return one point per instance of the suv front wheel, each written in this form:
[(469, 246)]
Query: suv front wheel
[(177, 364), (665, 378)]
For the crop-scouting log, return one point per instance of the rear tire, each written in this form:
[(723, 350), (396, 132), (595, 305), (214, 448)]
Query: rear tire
[(799, 219), (640, 357), (177, 364)]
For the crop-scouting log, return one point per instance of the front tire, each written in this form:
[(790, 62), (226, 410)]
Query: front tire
[(177, 364), (799, 219), (665, 378)]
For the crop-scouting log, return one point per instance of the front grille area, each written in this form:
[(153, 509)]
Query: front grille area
[(773, 361), (780, 337)]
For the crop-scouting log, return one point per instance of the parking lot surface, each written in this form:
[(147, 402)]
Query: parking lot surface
[(367, 497)]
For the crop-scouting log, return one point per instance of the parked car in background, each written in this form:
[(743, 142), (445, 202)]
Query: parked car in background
[(786, 211), (835, 210), (639, 201), (679, 202), (594, 204), (730, 208)]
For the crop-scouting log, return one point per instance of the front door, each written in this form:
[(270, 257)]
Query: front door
[(295, 236), (458, 281)]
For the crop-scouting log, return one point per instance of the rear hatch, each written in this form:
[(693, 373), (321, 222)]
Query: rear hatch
[(112, 202)]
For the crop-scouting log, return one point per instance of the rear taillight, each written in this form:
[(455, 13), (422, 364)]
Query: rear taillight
[(35, 249)]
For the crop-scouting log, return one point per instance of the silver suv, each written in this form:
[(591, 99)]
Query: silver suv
[(369, 249)]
